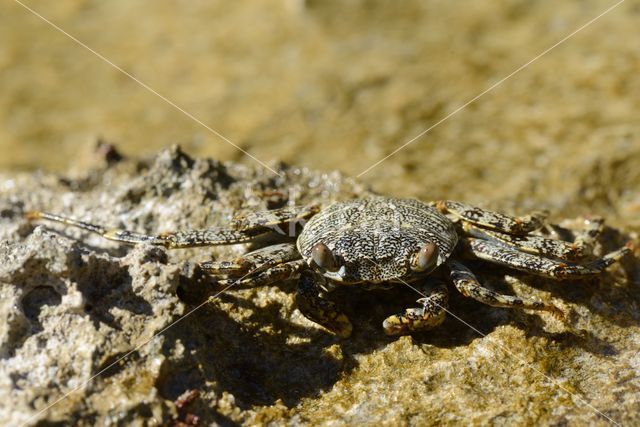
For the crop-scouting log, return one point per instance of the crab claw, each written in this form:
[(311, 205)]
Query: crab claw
[(412, 320), (318, 309), (394, 325)]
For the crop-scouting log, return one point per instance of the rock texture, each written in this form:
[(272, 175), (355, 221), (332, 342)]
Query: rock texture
[(74, 304)]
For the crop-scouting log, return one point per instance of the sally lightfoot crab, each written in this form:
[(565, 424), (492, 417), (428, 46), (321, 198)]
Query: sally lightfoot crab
[(382, 242)]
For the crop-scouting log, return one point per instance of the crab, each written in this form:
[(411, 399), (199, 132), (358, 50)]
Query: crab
[(384, 242)]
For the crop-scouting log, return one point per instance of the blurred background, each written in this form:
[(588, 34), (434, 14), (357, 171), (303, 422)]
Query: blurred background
[(339, 85)]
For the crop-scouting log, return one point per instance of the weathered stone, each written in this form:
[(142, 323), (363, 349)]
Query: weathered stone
[(72, 304)]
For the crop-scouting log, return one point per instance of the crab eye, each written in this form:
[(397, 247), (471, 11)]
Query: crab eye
[(426, 257), (322, 256)]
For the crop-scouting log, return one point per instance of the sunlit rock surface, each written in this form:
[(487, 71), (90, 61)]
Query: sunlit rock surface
[(73, 304)]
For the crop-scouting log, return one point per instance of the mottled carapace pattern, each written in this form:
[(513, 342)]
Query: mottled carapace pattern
[(376, 238)]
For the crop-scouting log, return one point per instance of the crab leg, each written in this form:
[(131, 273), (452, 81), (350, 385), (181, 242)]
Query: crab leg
[(318, 309), (465, 281), (501, 254), (275, 217), (580, 248), (588, 237), (492, 220), (244, 229), (262, 276), (260, 259), (430, 315)]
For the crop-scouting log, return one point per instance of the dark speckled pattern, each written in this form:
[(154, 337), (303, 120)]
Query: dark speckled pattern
[(376, 238)]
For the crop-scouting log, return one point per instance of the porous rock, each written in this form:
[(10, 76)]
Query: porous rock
[(92, 332)]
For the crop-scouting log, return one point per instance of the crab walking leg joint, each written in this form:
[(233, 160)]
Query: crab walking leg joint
[(492, 220), (262, 276), (538, 245), (258, 260), (465, 281)]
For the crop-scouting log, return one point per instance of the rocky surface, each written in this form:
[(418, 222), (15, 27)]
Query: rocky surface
[(74, 304), (328, 86)]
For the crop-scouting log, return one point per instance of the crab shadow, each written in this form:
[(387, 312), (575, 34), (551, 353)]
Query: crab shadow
[(104, 284), (260, 360), (265, 359)]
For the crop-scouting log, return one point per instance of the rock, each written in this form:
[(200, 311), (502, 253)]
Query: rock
[(92, 332)]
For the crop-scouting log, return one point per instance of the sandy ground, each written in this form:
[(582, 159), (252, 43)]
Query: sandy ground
[(335, 86)]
